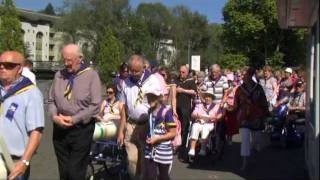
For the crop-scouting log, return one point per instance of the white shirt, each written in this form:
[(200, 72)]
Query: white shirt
[(30, 75), (129, 96)]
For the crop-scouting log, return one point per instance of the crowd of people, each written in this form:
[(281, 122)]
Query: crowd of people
[(152, 111)]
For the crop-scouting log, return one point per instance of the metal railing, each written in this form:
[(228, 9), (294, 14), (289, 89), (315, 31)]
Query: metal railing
[(47, 65)]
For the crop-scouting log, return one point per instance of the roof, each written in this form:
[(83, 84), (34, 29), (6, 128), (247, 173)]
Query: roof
[(33, 16), (297, 13)]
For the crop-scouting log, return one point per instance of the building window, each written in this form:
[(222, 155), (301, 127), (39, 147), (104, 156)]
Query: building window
[(39, 38)]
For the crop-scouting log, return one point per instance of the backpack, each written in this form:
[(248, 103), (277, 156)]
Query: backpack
[(176, 141)]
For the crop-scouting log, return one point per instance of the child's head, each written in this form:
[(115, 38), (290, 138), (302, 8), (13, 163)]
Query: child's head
[(154, 96)]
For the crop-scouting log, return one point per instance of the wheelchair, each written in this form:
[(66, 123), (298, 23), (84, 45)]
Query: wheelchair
[(107, 159), (286, 128), (211, 150)]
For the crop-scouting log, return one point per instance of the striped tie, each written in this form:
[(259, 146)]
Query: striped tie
[(140, 97), (111, 108)]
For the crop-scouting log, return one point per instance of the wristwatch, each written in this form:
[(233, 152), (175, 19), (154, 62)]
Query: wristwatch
[(26, 162)]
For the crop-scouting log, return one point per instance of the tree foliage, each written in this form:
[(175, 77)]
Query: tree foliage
[(251, 28), (110, 55), (48, 10), (11, 35)]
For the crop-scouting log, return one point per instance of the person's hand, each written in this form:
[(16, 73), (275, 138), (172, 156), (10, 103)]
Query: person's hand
[(120, 138), (175, 114), (153, 140), (63, 121), (18, 170), (180, 90)]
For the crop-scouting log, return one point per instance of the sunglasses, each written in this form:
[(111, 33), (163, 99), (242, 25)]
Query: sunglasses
[(9, 65), (110, 92)]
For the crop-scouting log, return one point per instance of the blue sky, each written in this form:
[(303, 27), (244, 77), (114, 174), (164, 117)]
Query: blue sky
[(211, 8)]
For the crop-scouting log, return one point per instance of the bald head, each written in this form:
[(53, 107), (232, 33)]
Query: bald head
[(215, 71), (11, 63), (136, 69), (72, 55), (12, 56), (136, 62), (72, 49)]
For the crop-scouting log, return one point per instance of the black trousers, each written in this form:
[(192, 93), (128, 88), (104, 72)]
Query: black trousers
[(184, 117), (72, 148), (221, 130)]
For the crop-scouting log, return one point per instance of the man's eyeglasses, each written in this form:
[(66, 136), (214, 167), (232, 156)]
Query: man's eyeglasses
[(9, 65)]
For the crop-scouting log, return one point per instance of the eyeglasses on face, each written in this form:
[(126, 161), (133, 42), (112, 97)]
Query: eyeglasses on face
[(9, 65), (110, 92)]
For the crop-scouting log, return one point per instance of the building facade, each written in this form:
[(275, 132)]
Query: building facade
[(43, 43)]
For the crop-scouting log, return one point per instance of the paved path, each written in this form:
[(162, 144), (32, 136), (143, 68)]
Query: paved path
[(270, 163)]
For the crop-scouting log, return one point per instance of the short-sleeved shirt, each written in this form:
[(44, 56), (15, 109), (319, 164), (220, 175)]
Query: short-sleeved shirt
[(28, 115), (298, 100), (130, 94), (218, 86), (159, 125), (183, 99), (268, 87)]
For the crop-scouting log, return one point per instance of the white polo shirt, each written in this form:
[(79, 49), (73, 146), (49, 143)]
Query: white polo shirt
[(129, 96)]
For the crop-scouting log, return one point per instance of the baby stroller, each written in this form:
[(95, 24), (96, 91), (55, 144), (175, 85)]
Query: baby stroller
[(107, 159)]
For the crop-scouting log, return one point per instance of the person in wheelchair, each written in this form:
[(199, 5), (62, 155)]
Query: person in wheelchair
[(204, 115), (108, 120), (297, 103)]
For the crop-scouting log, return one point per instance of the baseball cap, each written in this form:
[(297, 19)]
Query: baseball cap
[(288, 70)]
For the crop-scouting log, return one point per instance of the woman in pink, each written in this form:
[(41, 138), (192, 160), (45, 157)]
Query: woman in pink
[(204, 114)]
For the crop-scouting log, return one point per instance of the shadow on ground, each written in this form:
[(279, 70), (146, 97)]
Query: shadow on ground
[(272, 162)]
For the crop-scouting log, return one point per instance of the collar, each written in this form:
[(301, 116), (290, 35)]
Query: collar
[(14, 83)]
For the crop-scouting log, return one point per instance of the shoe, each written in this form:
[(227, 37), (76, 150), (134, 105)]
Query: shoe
[(191, 152), (202, 152)]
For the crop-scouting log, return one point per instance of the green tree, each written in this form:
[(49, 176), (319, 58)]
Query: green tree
[(110, 55), (11, 36), (159, 22), (190, 31), (233, 61), (251, 28), (48, 10), (215, 49)]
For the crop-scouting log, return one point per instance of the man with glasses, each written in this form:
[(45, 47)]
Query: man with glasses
[(21, 113), (186, 90), (74, 98), (133, 128)]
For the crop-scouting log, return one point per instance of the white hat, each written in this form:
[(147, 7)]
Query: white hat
[(288, 70), (209, 91), (156, 90)]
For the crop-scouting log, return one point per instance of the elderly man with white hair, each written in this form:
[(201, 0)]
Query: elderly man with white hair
[(219, 84), (74, 98)]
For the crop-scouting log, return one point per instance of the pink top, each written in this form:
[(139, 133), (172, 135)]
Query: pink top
[(213, 112)]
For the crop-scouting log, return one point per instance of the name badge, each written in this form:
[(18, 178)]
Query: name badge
[(12, 109)]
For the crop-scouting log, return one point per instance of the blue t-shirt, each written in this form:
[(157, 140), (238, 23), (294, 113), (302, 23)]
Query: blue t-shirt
[(160, 124), (19, 115)]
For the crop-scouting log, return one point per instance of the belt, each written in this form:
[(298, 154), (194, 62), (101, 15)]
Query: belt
[(136, 122), (15, 157)]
